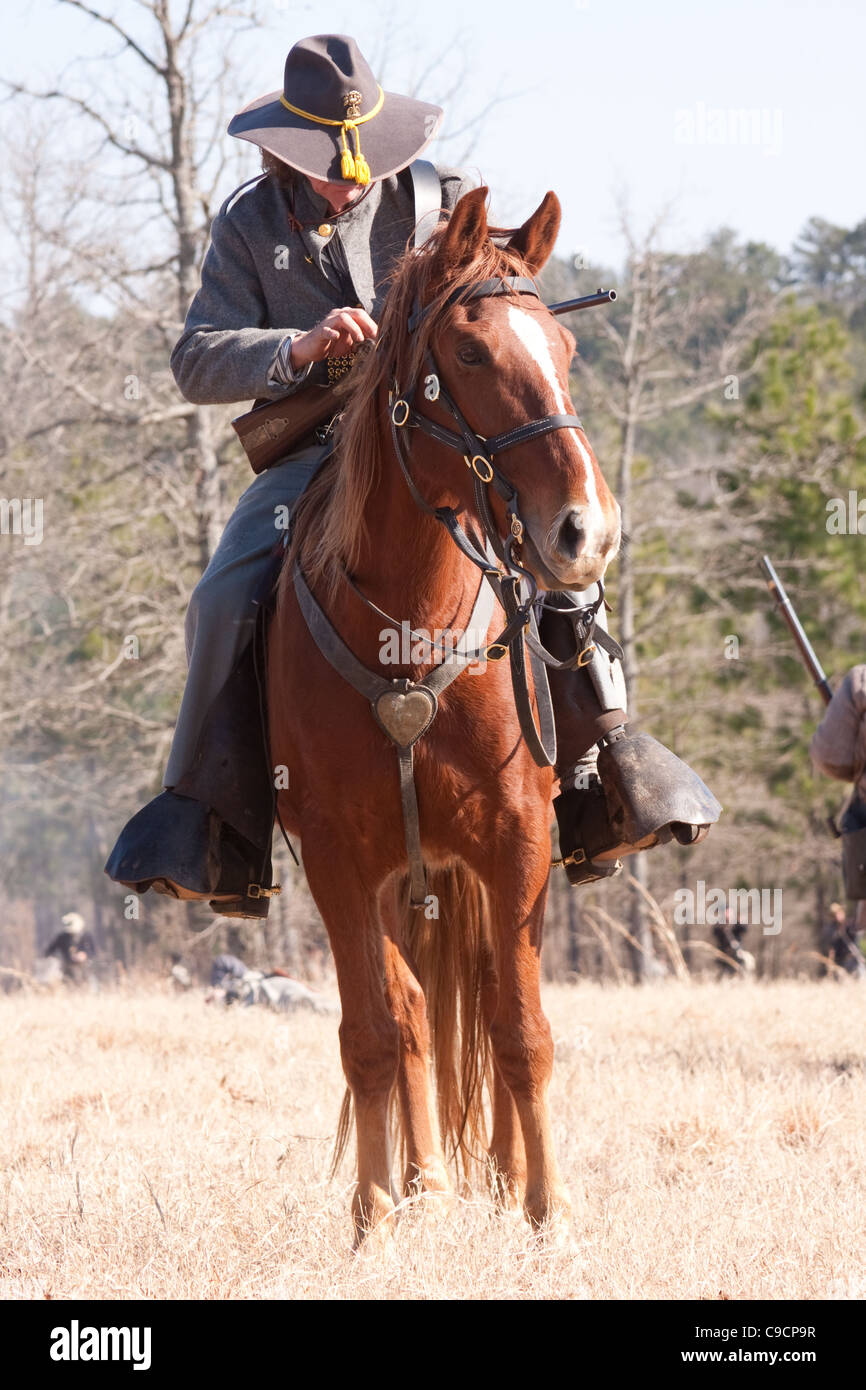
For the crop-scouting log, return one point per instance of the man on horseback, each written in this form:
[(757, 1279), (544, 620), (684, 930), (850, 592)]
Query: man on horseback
[(296, 275)]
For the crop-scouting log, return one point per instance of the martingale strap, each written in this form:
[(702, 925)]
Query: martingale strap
[(403, 709)]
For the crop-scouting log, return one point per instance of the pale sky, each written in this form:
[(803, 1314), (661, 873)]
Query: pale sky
[(750, 113)]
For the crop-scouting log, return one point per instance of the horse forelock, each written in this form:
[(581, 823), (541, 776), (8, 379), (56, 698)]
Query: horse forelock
[(330, 517)]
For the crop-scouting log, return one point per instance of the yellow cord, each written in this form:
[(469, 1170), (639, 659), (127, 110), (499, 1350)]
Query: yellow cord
[(351, 166)]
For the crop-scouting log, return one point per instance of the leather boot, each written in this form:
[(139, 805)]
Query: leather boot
[(179, 847)]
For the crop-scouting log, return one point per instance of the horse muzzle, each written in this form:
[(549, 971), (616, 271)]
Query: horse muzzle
[(573, 553)]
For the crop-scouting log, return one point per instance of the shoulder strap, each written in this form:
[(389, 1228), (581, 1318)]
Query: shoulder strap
[(230, 200), (427, 192)]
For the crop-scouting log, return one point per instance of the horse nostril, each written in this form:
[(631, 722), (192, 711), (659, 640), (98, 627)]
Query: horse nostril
[(571, 536)]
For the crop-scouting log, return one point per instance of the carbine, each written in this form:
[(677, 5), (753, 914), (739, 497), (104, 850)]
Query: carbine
[(795, 627), (589, 301)]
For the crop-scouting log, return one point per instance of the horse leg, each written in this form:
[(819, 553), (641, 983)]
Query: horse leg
[(369, 1037), (520, 1033), (507, 1151), (425, 1170)]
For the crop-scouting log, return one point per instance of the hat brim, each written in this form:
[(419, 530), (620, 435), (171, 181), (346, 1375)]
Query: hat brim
[(391, 140)]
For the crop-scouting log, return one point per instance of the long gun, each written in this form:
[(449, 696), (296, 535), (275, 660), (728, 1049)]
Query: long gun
[(795, 627), (588, 301)]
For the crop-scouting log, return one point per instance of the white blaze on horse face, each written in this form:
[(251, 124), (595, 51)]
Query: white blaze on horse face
[(531, 334)]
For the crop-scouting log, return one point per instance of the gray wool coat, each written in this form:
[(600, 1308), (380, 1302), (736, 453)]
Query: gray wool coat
[(261, 281)]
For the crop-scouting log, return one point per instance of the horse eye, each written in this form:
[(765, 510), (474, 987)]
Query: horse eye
[(470, 354)]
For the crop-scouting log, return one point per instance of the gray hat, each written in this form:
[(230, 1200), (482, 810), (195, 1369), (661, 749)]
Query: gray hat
[(332, 121)]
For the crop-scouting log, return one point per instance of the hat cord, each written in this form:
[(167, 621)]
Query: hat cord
[(351, 167)]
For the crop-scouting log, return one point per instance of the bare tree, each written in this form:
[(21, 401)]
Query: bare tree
[(158, 158), (671, 345)]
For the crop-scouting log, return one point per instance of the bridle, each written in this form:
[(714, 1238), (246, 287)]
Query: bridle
[(514, 585), (477, 451)]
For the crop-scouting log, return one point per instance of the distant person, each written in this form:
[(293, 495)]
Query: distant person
[(729, 937), (840, 944), (225, 968), (74, 947), (180, 974), (838, 749)]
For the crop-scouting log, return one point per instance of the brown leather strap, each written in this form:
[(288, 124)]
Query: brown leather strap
[(412, 829), (374, 687)]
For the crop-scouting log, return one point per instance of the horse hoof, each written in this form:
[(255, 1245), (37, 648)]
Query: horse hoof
[(550, 1216), (507, 1191), (373, 1217), (428, 1191)]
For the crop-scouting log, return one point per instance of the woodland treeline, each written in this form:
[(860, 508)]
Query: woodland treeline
[(723, 394)]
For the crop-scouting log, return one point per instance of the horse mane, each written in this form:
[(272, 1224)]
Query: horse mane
[(329, 518)]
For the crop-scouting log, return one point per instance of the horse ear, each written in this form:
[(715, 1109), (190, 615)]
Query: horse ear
[(535, 240), (466, 230)]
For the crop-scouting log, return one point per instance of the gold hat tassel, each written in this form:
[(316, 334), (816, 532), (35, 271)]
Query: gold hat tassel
[(355, 166)]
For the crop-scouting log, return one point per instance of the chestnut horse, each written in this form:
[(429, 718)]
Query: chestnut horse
[(461, 976)]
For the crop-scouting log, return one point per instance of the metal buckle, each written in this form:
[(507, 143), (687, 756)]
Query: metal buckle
[(577, 856), (517, 528), (586, 655), (496, 651), (480, 459), (255, 890), (405, 404)]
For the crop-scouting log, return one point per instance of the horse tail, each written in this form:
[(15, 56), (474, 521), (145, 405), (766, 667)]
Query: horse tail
[(449, 949), (344, 1130), (450, 952)]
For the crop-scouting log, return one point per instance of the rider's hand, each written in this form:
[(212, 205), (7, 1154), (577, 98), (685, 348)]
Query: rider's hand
[(338, 334)]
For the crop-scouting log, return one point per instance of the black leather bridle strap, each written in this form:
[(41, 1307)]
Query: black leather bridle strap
[(522, 434), (521, 284)]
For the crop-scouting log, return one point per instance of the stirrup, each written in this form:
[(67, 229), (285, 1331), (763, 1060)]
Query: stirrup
[(579, 869), (643, 796), (652, 795)]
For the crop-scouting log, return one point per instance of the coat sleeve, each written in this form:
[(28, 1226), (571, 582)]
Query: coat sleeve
[(226, 351), (835, 741)]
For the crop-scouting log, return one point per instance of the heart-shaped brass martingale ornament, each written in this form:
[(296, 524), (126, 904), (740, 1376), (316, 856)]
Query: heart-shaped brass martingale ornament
[(405, 712)]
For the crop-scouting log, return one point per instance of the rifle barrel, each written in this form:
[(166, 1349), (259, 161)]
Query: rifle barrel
[(786, 608), (588, 301)]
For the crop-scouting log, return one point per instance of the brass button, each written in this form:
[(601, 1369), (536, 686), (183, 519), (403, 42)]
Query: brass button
[(325, 229)]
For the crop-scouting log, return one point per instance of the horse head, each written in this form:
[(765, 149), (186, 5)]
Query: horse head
[(504, 361)]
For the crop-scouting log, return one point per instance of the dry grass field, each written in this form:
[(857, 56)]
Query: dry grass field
[(156, 1147)]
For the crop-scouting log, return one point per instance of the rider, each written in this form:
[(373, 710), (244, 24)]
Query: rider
[(297, 273)]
